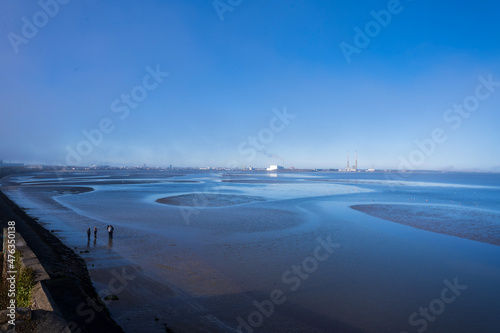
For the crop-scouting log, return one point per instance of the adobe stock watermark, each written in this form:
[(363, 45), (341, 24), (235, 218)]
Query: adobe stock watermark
[(420, 319), (30, 27), (453, 116), (198, 202), (115, 286), (372, 29), (223, 6), (292, 278), (258, 143), (120, 106), (249, 148)]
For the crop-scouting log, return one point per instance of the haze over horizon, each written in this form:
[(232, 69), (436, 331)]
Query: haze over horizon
[(409, 84)]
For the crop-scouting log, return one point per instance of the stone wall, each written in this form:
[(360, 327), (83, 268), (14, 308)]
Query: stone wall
[(41, 298)]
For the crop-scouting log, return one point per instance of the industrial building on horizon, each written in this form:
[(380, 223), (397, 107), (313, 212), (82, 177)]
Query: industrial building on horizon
[(275, 168), (353, 169)]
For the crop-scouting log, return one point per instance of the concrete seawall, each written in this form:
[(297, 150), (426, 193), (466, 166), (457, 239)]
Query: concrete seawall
[(41, 298), (62, 280)]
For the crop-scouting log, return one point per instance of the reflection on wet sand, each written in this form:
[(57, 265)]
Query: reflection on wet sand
[(249, 236), (473, 224)]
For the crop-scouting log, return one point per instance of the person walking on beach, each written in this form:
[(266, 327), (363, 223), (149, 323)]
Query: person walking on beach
[(110, 231), (95, 232), (88, 233)]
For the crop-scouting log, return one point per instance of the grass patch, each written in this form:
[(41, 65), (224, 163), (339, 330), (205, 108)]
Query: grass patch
[(3, 291), (25, 281)]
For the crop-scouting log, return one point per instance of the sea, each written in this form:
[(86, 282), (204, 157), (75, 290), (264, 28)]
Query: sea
[(253, 251)]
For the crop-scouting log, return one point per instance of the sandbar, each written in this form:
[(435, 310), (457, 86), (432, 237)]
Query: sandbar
[(209, 200), (469, 223)]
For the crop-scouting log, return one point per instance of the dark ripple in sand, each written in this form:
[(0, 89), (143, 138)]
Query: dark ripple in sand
[(92, 182), (473, 224), (209, 200), (61, 190), (258, 181)]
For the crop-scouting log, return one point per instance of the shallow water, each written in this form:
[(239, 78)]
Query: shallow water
[(230, 260)]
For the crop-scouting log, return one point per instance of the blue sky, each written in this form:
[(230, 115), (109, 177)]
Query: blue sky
[(225, 78)]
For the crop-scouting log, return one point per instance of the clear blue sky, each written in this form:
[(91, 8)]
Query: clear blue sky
[(227, 76)]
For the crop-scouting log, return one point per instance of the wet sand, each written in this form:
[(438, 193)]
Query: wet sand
[(481, 226), (144, 304), (204, 273), (208, 200), (63, 190), (70, 283)]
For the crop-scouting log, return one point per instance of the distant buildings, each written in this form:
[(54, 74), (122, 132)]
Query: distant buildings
[(275, 168), (353, 169), (10, 165), (34, 167)]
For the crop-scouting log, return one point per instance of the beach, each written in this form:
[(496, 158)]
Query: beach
[(304, 252), (70, 284)]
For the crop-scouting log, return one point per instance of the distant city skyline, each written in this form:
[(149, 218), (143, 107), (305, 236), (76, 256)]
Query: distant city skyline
[(406, 84)]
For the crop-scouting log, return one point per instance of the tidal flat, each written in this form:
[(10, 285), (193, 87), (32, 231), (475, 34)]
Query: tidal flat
[(245, 250)]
